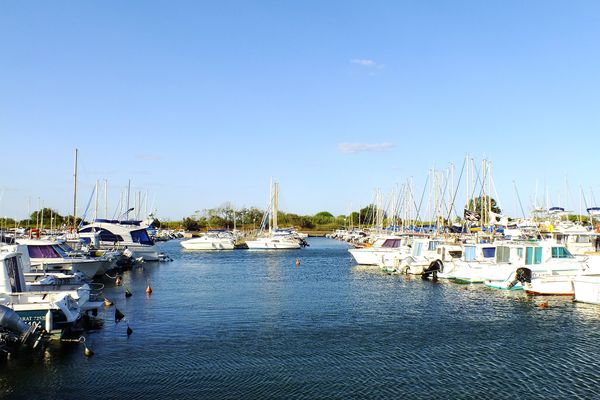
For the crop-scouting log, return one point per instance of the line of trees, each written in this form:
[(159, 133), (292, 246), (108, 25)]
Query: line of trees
[(251, 218), (44, 218)]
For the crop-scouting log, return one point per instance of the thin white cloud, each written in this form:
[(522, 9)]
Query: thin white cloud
[(149, 157), (365, 62), (353, 148)]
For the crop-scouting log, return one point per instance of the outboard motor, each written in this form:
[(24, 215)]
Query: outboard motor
[(522, 275), (10, 320), (432, 270)]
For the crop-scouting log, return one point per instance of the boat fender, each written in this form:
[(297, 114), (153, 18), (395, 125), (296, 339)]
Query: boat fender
[(118, 315)]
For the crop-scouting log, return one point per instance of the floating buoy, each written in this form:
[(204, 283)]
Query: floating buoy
[(118, 281), (87, 352), (128, 293), (107, 302), (149, 290), (297, 262), (544, 304), (129, 330), (118, 315)]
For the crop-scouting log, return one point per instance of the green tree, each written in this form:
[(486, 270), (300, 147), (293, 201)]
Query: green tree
[(479, 204), (190, 224), (323, 218), (49, 216)]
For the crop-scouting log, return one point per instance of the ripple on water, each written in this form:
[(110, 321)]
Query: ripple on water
[(242, 324)]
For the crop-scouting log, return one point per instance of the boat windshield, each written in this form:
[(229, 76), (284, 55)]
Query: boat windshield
[(392, 243), (42, 251), (561, 252), (141, 236)]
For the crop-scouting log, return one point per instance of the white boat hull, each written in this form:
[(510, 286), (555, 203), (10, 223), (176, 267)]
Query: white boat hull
[(272, 245), (587, 289), (88, 267), (197, 244)]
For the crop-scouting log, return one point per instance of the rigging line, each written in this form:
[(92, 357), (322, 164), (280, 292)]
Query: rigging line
[(456, 191), (87, 207), (418, 209), (498, 202), (519, 198), (443, 203)]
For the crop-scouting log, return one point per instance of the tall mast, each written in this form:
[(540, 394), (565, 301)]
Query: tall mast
[(75, 193), (128, 193), (96, 204), (106, 198), (275, 203)]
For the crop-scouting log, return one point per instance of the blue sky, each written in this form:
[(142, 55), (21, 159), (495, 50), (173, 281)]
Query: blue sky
[(199, 103)]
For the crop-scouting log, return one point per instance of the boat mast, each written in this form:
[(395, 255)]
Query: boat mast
[(128, 193), (275, 204), (96, 204), (106, 198), (75, 193)]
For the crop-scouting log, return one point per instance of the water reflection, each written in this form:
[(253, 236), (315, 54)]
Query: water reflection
[(243, 324)]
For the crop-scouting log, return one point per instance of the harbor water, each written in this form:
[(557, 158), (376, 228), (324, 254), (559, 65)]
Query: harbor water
[(252, 324)]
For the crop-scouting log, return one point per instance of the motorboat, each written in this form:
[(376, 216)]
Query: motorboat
[(212, 240), (476, 259), (53, 256), (540, 267), (383, 245), (122, 235), (57, 311)]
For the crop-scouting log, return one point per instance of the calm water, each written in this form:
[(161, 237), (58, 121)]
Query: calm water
[(250, 324)]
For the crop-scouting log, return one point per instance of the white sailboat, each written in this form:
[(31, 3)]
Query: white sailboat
[(273, 240)]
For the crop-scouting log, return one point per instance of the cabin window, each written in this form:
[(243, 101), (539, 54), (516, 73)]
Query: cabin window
[(141, 236), (561, 252), (520, 252), (537, 259), (502, 254), (533, 255), (455, 253), (469, 253), (392, 243), (42, 252), (418, 249), (582, 239), (107, 236), (12, 268), (489, 252), (433, 246), (559, 238)]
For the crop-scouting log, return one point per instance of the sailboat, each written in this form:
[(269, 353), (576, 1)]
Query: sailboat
[(274, 239)]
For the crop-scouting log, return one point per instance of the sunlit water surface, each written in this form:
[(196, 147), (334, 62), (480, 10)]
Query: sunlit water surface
[(251, 324)]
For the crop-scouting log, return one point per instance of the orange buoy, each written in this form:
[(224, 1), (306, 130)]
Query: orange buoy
[(148, 290), (297, 262), (107, 302), (118, 281), (543, 305)]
